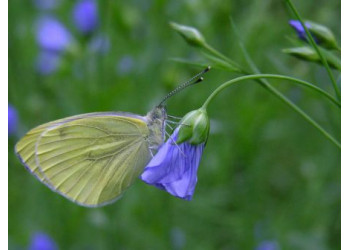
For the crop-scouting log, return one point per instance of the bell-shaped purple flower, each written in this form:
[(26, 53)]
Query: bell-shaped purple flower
[(85, 16), (42, 241), (48, 62), (298, 27), (52, 35), (12, 120), (174, 167)]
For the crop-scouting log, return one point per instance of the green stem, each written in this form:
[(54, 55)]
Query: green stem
[(265, 84), (295, 80), (314, 45), (278, 94)]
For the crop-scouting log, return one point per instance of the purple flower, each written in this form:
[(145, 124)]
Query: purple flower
[(47, 62), (42, 241), (85, 16), (52, 35), (100, 44), (125, 65), (268, 245), (174, 167), (320, 33), (12, 119), (299, 28)]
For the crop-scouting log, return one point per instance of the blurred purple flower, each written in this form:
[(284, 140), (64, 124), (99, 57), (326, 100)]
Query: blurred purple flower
[(46, 4), (178, 238), (125, 65), (298, 27), (99, 44), (85, 16), (12, 119), (268, 245), (174, 167), (52, 35), (48, 62), (42, 241)]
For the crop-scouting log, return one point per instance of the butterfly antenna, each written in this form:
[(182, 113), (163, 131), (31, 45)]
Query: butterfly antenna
[(194, 80)]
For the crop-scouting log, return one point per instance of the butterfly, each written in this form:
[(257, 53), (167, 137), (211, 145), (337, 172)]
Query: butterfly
[(91, 159)]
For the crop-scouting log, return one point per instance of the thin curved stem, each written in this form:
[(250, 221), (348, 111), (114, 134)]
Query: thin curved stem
[(314, 45), (295, 80), (281, 96)]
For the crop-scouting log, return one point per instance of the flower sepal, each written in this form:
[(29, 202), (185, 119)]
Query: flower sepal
[(194, 127)]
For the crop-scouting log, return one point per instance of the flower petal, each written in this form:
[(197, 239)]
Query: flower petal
[(174, 168), (169, 155), (299, 28), (42, 241), (52, 34), (48, 62), (85, 16), (12, 119)]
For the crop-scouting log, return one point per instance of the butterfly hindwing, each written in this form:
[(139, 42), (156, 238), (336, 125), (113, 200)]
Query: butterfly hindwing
[(90, 159)]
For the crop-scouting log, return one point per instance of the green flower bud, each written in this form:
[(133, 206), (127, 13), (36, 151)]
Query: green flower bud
[(190, 34), (305, 53), (323, 35), (194, 127), (309, 54)]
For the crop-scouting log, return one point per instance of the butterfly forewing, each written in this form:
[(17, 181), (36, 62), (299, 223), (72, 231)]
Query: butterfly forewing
[(90, 159), (25, 148)]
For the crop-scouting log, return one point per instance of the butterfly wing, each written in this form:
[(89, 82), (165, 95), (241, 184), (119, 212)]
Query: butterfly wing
[(25, 148), (90, 159)]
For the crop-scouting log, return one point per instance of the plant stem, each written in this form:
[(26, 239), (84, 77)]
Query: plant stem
[(279, 95), (265, 84), (314, 45), (297, 81)]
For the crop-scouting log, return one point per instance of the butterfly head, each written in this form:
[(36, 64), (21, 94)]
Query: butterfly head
[(156, 118)]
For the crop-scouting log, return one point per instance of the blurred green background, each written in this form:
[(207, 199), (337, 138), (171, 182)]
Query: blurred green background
[(266, 176)]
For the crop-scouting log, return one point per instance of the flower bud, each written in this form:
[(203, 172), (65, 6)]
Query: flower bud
[(309, 54), (322, 35), (190, 34), (305, 53), (194, 127)]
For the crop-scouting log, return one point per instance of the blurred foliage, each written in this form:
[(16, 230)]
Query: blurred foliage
[(265, 174)]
